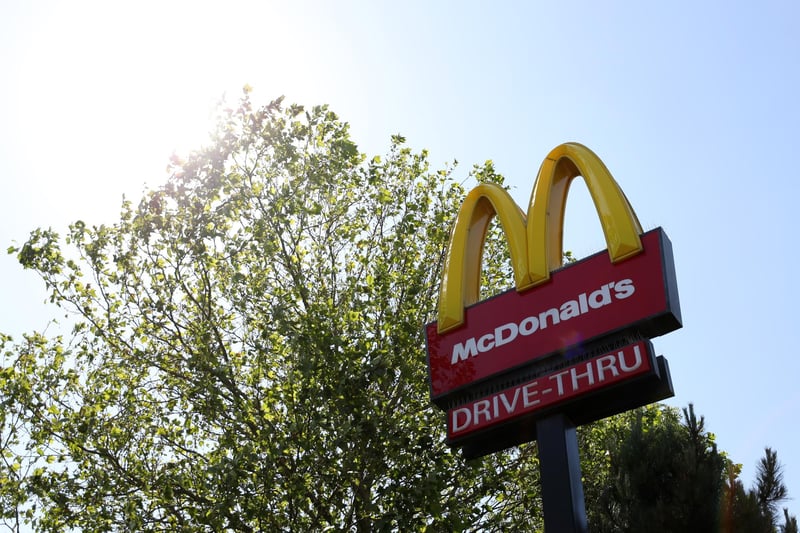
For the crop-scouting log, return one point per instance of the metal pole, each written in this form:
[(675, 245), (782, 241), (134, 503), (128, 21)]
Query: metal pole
[(560, 468)]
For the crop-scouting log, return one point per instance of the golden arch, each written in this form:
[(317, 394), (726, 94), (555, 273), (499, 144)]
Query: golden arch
[(535, 244)]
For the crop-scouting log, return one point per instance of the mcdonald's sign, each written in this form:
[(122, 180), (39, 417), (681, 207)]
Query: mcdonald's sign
[(555, 315)]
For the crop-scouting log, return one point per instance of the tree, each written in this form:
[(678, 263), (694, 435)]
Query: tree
[(756, 509), (789, 522), (666, 474), (246, 350), (770, 489), (661, 474)]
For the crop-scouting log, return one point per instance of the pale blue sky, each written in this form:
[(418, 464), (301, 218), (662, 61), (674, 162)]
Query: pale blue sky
[(692, 106)]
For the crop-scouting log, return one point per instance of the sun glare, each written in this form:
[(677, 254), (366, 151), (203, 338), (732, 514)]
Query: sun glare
[(102, 106)]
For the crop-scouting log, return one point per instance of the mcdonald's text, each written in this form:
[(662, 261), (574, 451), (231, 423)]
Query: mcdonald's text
[(556, 388), (529, 325)]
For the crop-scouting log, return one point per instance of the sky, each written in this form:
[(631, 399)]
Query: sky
[(692, 106)]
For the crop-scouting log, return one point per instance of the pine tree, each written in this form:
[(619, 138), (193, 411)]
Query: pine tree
[(789, 522)]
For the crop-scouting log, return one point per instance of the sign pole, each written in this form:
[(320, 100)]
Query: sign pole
[(560, 468)]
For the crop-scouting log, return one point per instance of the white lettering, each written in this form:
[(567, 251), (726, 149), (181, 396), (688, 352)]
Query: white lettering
[(527, 394), (527, 397), (552, 313), (570, 309), (467, 419), (637, 363), (600, 297), (462, 351), (575, 376), (529, 325), (623, 289), (508, 332), (607, 362), (486, 343), (513, 405), (512, 330), (559, 383), (583, 303), (482, 408)]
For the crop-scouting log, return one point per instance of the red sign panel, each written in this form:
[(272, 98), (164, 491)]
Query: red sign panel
[(589, 376), (583, 301)]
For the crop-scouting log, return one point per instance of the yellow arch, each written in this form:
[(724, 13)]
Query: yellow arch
[(545, 228), (462, 267), (535, 246)]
